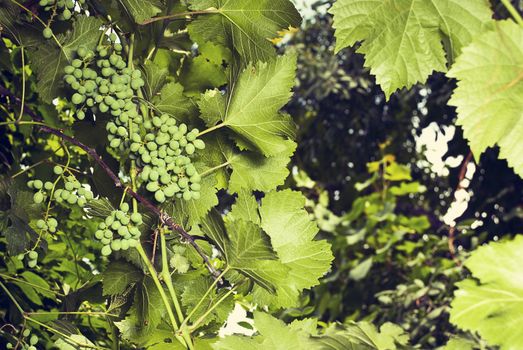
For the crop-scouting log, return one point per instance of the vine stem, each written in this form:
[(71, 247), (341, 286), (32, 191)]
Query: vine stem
[(154, 275), (208, 171), (22, 105), (513, 12), (166, 276), (211, 129)]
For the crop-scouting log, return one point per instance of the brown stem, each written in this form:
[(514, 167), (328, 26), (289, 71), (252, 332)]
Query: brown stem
[(452, 229)]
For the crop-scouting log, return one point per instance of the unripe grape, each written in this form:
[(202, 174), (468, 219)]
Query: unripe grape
[(125, 244), (38, 197), (196, 195), (33, 255), (40, 224), (67, 14), (47, 33), (99, 234), (116, 245), (76, 63), (187, 195), (77, 98), (32, 263), (52, 222), (183, 182), (69, 69), (106, 250), (152, 186), (159, 196), (136, 218), (38, 184), (199, 144)]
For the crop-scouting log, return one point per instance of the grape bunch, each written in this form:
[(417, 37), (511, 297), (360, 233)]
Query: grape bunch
[(72, 193), (103, 82), (24, 345), (63, 8), (32, 257), (164, 152), (119, 231)]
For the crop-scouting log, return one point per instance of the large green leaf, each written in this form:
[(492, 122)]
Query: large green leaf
[(243, 25), (292, 233), (402, 40), (145, 314), (489, 93), (260, 92), (492, 303)]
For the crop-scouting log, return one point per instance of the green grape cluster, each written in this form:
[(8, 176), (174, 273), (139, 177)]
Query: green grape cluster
[(64, 8), (103, 82), (119, 231), (72, 192), (165, 151), (25, 345), (32, 257)]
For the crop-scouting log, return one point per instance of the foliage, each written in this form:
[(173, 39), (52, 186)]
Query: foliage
[(389, 266), (490, 303), (117, 177), (144, 188)]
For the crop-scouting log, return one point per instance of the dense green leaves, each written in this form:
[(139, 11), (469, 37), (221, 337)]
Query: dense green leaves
[(492, 303), (403, 40), (488, 96)]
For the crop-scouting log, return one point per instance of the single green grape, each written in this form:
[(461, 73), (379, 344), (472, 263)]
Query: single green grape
[(47, 33)]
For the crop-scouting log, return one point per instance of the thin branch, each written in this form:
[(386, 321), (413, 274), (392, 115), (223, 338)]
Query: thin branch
[(452, 229)]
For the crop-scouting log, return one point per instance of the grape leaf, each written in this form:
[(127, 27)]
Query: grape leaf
[(118, 276), (292, 233), (245, 208), (172, 101), (154, 77), (260, 92), (245, 26), (493, 307), (145, 314), (255, 172), (488, 96), (402, 40), (212, 107)]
